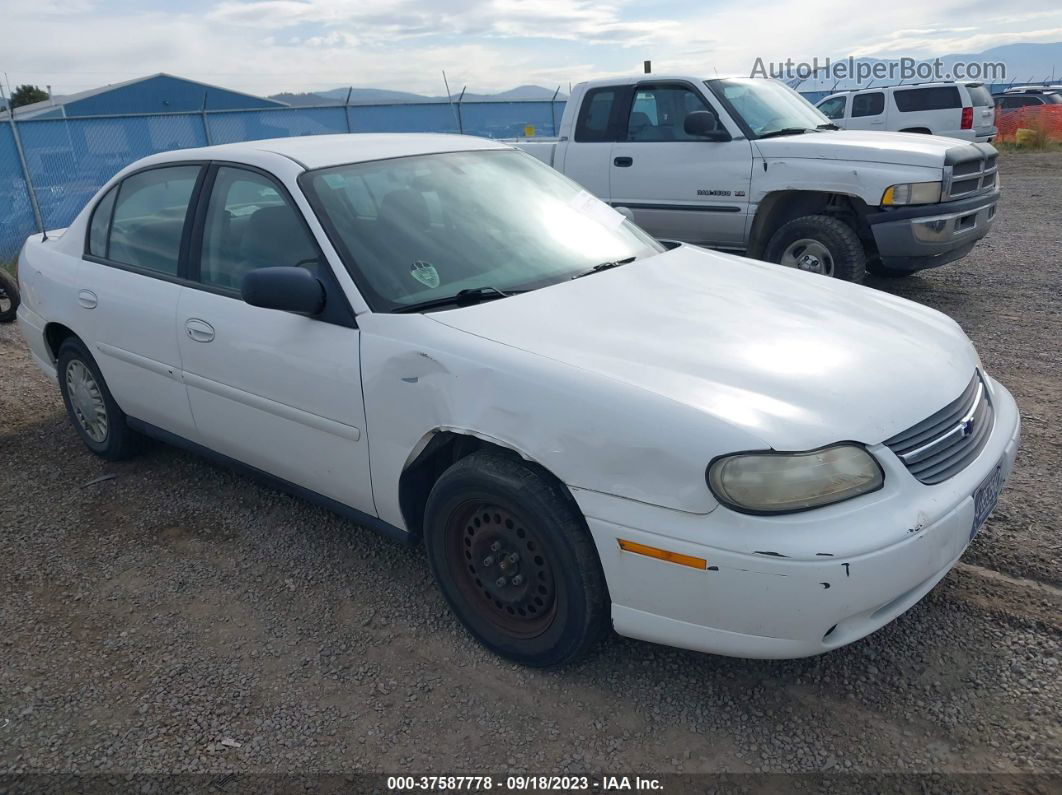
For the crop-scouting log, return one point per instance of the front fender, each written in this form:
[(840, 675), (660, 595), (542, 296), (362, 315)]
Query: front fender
[(591, 432)]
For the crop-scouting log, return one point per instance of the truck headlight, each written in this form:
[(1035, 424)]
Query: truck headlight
[(771, 482), (911, 193)]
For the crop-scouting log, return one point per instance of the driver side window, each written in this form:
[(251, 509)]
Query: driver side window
[(251, 224), (833, 108), (659, 113)]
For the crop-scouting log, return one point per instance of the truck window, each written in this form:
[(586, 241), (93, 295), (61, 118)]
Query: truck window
[(872, 104), (980, 96), (909, 100), (658, 113), (594, 115), (833, 108)]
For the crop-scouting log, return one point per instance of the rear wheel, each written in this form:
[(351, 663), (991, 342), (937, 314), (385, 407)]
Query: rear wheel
[(819, 244), (95, 415), (9, 297), (515, 561)]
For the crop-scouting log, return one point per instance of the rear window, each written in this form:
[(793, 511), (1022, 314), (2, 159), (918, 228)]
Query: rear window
[(979, 95), (909, 100), (595, 116)]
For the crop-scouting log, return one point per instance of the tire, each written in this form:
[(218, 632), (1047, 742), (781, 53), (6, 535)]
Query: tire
[(9, 297), (482, 511), (832, 245), (104, 431)]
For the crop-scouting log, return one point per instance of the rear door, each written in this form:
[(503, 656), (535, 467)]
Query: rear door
[(867, 111), (588, 158), (128, 285), (278, 391), (679, 186), (984, 111)]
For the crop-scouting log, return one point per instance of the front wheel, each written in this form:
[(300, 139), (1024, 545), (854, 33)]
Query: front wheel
[(9, 297), (819, 244), (514, 559)]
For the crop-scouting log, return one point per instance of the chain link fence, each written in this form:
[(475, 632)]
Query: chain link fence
[(67, 160)]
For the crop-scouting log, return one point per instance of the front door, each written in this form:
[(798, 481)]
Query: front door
[(677, 185), (278, 391)]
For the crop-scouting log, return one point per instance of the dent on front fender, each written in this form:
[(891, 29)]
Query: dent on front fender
[(420, 377)]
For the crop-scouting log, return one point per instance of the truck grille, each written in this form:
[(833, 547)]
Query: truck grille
[(968, 171), (945, 443)]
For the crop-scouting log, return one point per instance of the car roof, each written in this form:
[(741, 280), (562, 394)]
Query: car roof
[(321, 151)]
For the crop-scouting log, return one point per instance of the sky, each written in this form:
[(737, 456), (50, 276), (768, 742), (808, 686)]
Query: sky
[(268, 46)]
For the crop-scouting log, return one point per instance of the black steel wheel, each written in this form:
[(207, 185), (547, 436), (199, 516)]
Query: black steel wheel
[(514, 559), (9, 297)]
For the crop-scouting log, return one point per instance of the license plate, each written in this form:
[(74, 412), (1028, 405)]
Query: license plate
[(985, 497)]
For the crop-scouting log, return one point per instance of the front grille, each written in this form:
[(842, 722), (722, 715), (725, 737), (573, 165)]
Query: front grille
[(945, 443), (969, 171)]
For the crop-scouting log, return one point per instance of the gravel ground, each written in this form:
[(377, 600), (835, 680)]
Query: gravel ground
[(149, 619)]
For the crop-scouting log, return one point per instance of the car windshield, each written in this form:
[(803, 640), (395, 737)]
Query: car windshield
[(767, 106), (418, 230)]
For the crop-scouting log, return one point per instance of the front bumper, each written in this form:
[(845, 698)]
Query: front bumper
[(915, 238), (794, 585)]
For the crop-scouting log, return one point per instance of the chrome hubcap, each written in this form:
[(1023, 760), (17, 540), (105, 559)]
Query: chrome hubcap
[(808, 255), (86, 400)]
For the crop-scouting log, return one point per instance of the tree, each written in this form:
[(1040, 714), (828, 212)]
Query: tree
[(27, 95)]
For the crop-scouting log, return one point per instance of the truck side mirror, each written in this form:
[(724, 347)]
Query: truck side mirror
[(704, 124)]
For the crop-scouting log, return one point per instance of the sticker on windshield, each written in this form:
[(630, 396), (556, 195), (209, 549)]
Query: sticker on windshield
[(596, 209), (425, 273)]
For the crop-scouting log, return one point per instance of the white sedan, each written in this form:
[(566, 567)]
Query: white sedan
[(447, 341)]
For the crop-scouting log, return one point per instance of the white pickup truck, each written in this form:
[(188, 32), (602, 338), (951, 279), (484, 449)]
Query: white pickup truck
[(749, 165)]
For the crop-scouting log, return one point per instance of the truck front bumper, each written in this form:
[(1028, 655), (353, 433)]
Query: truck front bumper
[(915, 238), (799, 584)]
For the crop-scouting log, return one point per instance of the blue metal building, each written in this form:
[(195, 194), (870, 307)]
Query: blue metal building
[(159, 93)]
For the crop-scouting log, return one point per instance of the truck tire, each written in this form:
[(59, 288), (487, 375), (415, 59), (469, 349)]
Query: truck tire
[(514, 559), (9, 297), (819, 244), (95, 415)]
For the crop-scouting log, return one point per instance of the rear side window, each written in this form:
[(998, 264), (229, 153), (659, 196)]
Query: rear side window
[(595, 115), (980, 96), (100, 224), (909, 100), (868, 104), (149, 217)]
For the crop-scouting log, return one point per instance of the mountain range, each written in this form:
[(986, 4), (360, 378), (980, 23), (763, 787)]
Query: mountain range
[(377, 96)]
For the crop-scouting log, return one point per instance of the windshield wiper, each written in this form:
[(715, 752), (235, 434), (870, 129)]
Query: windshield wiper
[(467, 297), (604, 266), (828, 126), (786, 131)]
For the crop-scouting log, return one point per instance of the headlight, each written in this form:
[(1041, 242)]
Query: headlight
[(911, 193), (785, 482)]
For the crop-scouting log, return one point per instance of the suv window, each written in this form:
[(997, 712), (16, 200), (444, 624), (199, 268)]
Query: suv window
[(833, 108), (595, 115), (979, 95), (868, 104), (251, 224), (101, 224), (909, 100), (149, 218), (1020, 101), (659, 113)]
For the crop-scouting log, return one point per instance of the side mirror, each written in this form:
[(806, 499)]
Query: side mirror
[(287, 289), (704, 124)]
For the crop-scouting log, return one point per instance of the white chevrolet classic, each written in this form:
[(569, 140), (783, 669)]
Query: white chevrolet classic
[(448, 341)]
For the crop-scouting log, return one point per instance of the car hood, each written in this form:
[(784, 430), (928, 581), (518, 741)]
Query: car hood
[(906, 149), (795, 359)]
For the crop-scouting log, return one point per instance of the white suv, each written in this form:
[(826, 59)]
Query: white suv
[(956, 110)]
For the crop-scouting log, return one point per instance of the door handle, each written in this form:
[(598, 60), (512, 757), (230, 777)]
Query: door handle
[(199, 330), (87, 299), (623, 162)]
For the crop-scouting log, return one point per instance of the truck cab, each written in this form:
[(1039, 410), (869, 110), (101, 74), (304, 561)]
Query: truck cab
[(748, 165)]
